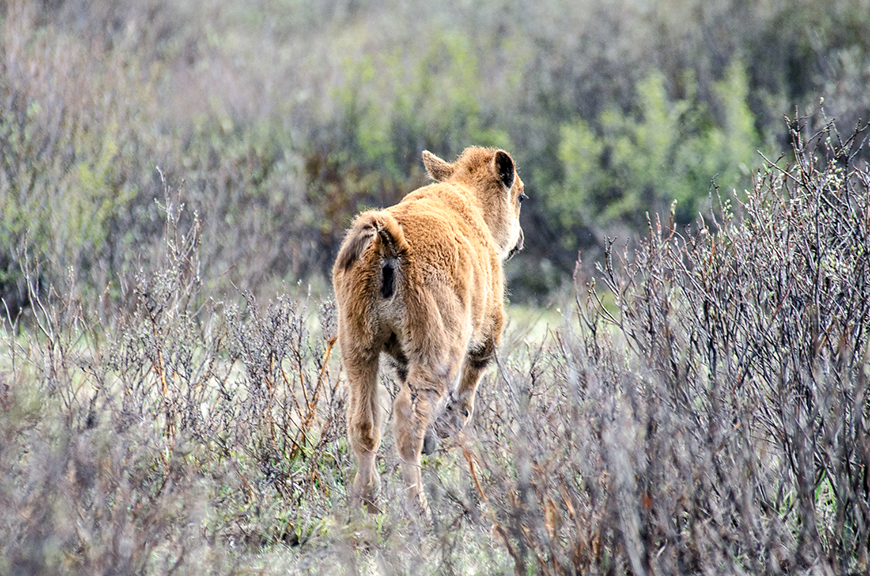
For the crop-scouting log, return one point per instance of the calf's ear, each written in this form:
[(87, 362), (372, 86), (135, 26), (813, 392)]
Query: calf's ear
[(438, 169), (504, 167)]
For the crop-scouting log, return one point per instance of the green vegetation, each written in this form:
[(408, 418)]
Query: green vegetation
[(283, 119), (671, 151), (174, 174)]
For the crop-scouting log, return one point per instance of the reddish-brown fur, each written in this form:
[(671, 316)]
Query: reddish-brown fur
[(422, 281)]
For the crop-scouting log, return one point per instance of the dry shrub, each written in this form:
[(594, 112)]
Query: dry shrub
[(180, 432), (714, 417)]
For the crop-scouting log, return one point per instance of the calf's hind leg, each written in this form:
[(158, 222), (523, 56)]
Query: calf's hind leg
[(364, 425), (412, 412)]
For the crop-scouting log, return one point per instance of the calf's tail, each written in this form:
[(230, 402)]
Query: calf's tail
[(375, 231)]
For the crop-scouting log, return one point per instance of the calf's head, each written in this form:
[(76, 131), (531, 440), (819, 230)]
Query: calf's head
[(492, 177)]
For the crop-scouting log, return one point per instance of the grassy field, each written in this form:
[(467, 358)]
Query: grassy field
[(702, 407)]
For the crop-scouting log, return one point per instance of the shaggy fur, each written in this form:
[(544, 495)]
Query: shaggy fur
[(422, 281)]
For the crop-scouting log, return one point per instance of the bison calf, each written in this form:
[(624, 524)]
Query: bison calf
[(422, 281)]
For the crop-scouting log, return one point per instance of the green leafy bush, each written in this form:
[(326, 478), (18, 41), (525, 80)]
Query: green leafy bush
[(671, 150), (62, 177)]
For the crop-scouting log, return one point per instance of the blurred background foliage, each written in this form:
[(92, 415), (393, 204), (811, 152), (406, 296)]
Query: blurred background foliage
[(281, 119)]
